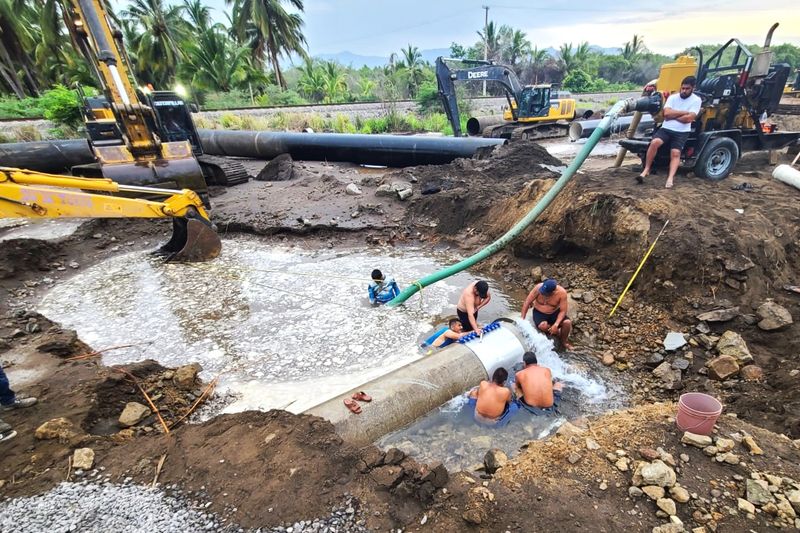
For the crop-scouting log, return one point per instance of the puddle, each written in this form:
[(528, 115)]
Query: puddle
[(42, 229), (566, 148), (284, 327), (450, 434)]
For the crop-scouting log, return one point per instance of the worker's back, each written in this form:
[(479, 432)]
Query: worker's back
[(536, 383)]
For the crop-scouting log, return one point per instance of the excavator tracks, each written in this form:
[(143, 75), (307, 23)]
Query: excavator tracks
[(519, 130), (222, 171)]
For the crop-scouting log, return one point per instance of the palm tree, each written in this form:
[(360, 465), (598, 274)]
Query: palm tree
[(312, 81), (491, 40), (633, 48), (157, 50), (517, 47), (271, 31), (537, 60), (198, 13), (335, 83), (17, 36), (566, 58), (413, 68), (214, 62), (582, 52)]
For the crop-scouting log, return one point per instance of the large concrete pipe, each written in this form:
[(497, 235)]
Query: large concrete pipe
[(476, 125), (386, 150), (405, 394), (582, 129), (47, 156)]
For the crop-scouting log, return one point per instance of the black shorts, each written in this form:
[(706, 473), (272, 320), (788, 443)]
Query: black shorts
[(550, 318), (464, 318), (674, 140)]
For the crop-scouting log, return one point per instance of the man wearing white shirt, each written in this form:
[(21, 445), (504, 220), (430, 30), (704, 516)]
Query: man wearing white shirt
[(680, 111)]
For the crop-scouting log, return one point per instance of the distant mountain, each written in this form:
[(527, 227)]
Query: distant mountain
[(357, 61)]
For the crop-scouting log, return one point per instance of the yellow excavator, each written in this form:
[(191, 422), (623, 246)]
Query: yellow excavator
[(28, 194)]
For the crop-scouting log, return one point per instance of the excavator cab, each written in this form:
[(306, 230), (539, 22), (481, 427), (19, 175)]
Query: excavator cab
[(535, 101)]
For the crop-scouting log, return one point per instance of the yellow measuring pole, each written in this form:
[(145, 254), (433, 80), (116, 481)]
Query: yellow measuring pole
[(641, 264)]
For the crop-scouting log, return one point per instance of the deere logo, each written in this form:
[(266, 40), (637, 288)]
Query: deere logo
[(477, 75)]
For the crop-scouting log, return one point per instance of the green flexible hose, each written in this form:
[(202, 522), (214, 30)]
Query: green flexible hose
[(532, 215)]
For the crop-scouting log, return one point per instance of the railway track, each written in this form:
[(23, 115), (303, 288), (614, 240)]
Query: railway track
[(343, 107)]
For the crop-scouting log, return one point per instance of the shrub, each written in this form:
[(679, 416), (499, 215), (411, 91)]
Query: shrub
[(62, 106), (342, 124), (273, 95), (12, 107), (428, 98)]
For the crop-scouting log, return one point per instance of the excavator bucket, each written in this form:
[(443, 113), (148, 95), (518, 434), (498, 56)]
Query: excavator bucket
[(193, 240)]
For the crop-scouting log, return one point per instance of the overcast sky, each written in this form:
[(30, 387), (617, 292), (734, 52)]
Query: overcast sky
[(379, 27)]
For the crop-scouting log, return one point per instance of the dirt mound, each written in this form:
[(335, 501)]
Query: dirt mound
[(267, 469), (465, 189), (25, 255)]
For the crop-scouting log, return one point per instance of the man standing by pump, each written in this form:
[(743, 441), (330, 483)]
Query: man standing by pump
[(680, 111)]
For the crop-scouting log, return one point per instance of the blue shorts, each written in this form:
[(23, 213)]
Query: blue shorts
[(539, 410), (502, 420)]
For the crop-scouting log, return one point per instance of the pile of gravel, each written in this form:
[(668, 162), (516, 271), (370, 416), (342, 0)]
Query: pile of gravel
[(101, 506), (343, 519)]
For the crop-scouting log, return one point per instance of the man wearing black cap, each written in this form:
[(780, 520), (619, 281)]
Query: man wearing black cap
[(550, 305), (473, 298)]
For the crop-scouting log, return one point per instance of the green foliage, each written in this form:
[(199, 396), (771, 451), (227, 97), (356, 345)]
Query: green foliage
[(227, 100), (62, 106), (578, 81), (273, 96), (428, 98), (12, 107)]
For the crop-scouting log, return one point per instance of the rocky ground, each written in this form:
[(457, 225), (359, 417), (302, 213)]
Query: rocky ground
[(715, 280)]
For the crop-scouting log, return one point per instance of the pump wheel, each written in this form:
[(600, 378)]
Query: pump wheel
[(718, 159)]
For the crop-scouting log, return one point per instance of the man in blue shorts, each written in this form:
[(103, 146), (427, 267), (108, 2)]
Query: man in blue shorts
[(680, 110), (550, 303)]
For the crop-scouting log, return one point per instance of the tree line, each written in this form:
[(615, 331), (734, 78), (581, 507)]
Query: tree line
[(240, 61)]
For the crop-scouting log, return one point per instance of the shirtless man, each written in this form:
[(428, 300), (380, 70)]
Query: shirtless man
[(493, 397), (550, 306), (473, 298), (534, 386)]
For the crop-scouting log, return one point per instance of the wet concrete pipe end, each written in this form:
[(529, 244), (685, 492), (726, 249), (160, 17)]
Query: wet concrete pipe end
[(402, 396)]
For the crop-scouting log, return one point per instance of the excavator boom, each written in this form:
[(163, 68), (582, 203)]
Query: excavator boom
[(26, 194)]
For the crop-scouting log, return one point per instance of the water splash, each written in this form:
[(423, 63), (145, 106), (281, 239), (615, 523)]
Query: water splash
[(594, 391)]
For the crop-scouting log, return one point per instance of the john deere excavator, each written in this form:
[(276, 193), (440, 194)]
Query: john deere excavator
[(739, 90), (138, 138), (533, 112), (28, 194)]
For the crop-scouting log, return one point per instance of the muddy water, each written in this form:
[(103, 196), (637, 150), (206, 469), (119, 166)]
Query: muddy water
[(284, 327), (451, 435)]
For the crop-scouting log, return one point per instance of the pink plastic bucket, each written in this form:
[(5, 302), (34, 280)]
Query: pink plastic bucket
[(697, 413)]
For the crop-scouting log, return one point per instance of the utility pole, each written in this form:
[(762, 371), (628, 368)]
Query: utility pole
[(485, 40)]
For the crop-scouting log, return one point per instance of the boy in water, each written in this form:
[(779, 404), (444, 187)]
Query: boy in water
[(382, 289)]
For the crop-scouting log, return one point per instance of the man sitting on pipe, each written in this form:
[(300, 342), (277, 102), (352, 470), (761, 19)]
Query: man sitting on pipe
[(680, 110), (492, 400), (537, 391), (473, 298), (550, 307)]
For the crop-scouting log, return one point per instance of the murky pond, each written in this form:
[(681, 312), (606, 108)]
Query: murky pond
[(285, 327), (451, 435)]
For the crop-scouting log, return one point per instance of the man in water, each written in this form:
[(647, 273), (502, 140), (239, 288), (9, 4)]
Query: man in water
[(492, 398), (473, 298), (550, 306), (535, 388), (680, 110), (448, 335), (382, 290)]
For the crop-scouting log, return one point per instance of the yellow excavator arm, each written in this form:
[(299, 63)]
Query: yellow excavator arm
[(27, 194)]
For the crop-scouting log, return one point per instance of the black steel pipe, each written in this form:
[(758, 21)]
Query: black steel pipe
[(386, 150), (582, 129), (55, 157), (476, 125)]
